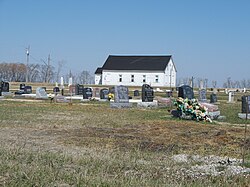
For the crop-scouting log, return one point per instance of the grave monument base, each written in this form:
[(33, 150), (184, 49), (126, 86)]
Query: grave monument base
[(153, 104), (243, 115), (120, 105), (214, 114)]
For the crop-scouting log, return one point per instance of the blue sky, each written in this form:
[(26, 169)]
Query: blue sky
[(207, 38)]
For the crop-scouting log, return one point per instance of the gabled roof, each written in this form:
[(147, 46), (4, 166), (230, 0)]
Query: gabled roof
[(154, 63), (98, 70)]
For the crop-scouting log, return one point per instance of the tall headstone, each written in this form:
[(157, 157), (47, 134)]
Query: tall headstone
[(186, 91), (121, 99), (79, 89), (62, 86), (213, 98), (87, 93), (5, 86), (245, 108), (41, 93), (203, 95), (230, 97), (147, 93), (104, 93), (245, 104)]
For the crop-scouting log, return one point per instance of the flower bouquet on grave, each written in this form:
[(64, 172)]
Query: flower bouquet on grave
[(191, 107)]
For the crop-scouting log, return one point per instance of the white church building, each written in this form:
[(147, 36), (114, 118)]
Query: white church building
[(137, 70)]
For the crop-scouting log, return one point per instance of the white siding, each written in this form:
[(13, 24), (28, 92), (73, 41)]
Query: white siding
[(113, 78), (98, 79), (170, 74)]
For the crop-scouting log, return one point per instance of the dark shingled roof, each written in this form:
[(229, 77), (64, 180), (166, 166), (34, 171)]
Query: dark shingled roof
[(98, 70), (155, 63)]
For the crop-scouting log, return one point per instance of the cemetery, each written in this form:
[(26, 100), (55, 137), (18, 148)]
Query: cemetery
[(198, 133)]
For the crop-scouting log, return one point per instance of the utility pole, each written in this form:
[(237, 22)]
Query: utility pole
[(27, 63), (48, 69)]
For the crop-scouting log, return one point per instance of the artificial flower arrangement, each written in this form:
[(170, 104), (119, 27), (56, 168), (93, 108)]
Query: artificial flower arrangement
[(191, 107)]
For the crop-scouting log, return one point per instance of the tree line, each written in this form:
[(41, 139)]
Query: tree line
[(228, 83), (16, 72)]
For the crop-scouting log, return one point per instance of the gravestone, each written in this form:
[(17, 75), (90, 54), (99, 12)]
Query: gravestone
[(136, 93), (121, 99), (79, 89), (56, 90), (41, 93), (21, 86), (87, 93), (203, 95), (245, 108), (231, 97), (121, 94), (27, 89), (186, 91), (72, 89), (96, 92), (147, 93), (213, 98), (0, 90), (147, 98), (245, 104), (104, 93), (169, 93), (5, 86)]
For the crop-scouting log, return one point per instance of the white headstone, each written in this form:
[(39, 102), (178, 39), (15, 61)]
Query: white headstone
[(231, 97), (70, 81), (41, 93), (62, 83)]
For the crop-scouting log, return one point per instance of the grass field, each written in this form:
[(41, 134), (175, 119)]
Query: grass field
[(90, 144)]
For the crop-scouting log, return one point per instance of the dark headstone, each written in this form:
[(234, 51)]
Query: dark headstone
[(185, 91), (87, 93), (22, 86), (245, 104), (147, 93), (169, 93), (79, 89), (104, 93), (5, 86), (121, 94), (203, 95), (213, 98), (0, 90), (56, 90), (136, 93), (28, 89)]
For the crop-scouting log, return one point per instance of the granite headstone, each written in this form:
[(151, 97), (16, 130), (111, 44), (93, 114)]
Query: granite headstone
[(147, 93), (87, 93), (41, 93), (186, 91), (202, 95), (104, 93)]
